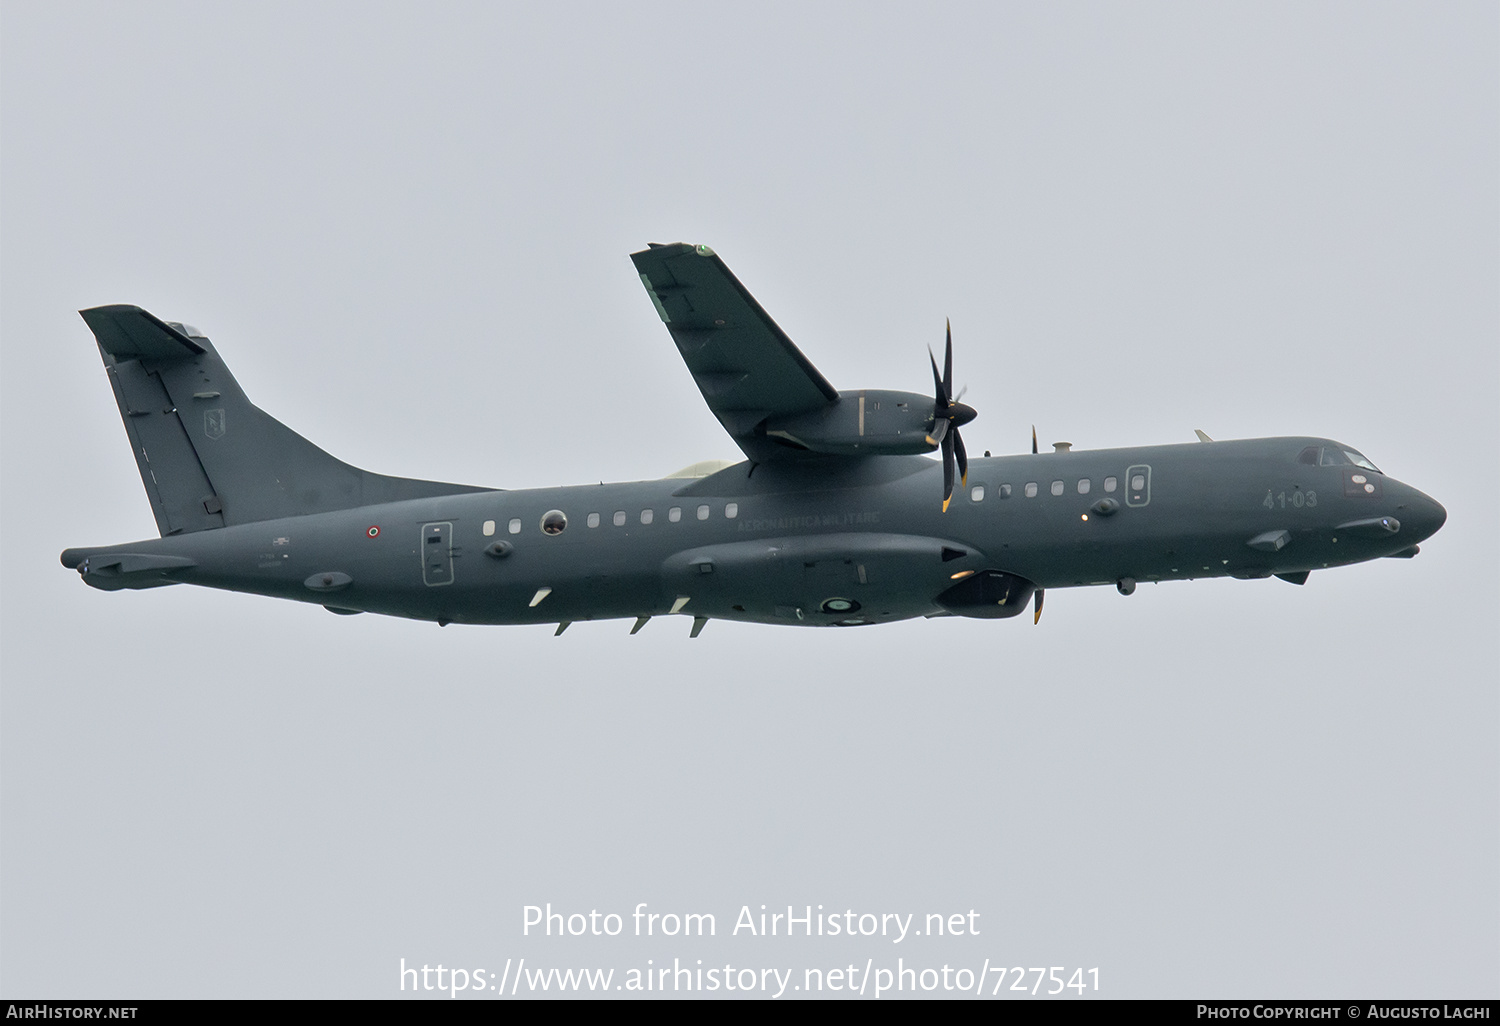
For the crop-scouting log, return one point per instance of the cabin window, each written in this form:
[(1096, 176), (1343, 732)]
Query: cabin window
[(553, 521), (731, 510), (619, 518), (514, 527), (1138, 482), (647, 516), (1110, 484), (1083, 486), (489, 528), (1003, 491), (1030, 489), (593, 520), (674, 514), (1057, 487), (702, 512), (976, 494)]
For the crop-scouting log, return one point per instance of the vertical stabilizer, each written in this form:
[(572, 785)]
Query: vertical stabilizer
[(209, 457)]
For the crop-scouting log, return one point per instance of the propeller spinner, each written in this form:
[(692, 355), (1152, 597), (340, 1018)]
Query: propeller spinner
[(948, 415)]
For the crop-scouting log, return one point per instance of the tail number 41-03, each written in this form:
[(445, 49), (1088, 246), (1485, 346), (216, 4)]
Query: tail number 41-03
[(1280, 500)]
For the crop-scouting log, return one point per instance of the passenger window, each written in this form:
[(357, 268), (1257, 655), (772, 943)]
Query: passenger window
[(674, 514), (1030, 489), (489, 528), (619, 518), (593, 520), (1110, 484), (731, 510), (1003, 491), (976, 494), (647, 516), (553, 521), (514, 527), (1084, 486), (1057, 487), (702, 512), (1138, 482)]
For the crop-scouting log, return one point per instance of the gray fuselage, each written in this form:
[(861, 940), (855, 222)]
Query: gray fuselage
[(818, 543)]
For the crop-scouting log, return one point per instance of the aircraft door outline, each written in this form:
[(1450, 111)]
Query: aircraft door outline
[(437, 553)]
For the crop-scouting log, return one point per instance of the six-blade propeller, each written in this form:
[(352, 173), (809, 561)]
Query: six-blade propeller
[(948, 415)]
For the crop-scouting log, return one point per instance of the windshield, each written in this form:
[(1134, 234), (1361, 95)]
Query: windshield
[(1335, 456)]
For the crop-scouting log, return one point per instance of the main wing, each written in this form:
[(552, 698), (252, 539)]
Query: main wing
[(745, 366)]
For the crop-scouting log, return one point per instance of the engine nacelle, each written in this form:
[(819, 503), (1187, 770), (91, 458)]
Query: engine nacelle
[(867, 422)]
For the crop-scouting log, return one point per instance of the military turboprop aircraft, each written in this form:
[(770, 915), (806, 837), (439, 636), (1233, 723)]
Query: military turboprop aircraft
[(836, 517)]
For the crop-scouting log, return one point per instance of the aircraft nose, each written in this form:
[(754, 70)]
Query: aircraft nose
[(1423, 515)]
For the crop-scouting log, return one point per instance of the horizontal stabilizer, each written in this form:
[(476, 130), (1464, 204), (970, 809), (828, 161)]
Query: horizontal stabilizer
[(130, 333), (113, 571)]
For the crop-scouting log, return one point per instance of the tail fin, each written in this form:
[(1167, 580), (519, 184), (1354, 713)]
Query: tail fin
[(208, 457)]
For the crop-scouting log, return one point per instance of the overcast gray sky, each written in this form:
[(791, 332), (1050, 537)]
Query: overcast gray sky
[(1254, 219)]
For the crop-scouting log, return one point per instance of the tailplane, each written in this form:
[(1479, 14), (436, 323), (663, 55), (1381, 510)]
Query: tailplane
[(208, 456)]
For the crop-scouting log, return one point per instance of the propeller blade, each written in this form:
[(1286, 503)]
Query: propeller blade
[(948, 469), (939, 430), (948, 366), (1033, 439), (1040, 594), (940, 403), (963, 458)]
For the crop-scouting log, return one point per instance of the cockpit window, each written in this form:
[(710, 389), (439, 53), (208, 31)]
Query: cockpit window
[(1334, 456)]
